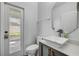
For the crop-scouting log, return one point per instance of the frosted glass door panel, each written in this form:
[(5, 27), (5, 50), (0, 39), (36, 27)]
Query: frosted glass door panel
[(14, 30)]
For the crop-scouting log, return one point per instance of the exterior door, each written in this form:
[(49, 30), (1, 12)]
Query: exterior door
[(13, 33)]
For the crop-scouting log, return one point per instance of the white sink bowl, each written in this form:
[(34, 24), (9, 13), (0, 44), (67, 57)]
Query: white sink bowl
[(58, 40)]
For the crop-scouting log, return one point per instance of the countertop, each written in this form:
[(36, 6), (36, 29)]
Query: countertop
[(70, 48)]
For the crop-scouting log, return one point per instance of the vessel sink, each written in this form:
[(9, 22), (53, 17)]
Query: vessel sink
[(58, 40)]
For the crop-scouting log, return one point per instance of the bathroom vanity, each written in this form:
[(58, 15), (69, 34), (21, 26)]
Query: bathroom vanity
[(49, 51), (46, 48)]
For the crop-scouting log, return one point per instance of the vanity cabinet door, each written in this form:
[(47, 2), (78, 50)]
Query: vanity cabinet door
[(48, 51), (53, 52), (45, 50), (57, 53)]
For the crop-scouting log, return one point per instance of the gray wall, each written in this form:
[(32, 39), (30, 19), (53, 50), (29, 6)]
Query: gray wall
[(45, 28), (74, 35), (44, 17), (44, 9), (30, 21)]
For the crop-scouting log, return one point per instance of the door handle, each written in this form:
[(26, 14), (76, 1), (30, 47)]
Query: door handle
[(6, 35)]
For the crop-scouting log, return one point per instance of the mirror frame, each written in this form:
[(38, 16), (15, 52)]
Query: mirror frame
[(57, 5)]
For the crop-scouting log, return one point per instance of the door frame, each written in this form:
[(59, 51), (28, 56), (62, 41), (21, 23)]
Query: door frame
[(0, 27), (3, 23)]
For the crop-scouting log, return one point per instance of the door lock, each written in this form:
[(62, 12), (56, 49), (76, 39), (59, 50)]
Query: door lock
[(6, 35)]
